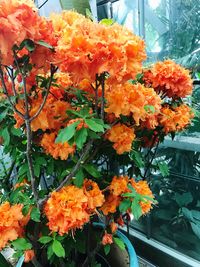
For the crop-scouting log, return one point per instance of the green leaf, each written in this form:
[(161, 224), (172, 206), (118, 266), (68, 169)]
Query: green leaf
[(3, 115), (16, 131), (92, 170), (79, 178), (80, 6), (188, 214), (42, 43), (58, 249), (107, 22), (119, 242), (35, 214), (23, 169), (164, 169), (196, 229), (136, 209), (137, 158), (49, 252), (183, 199), (67, 133), (81, 137), (124, 205), (6, 136), (29, 44), (149, 109), (21, 244), (106, 249), (94, 126), (45, 239)]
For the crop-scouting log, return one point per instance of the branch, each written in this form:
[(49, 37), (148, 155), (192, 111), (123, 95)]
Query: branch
[(29, 143), (5, 91), (53, 70), (102, 77), (72, 173), (150, 162)]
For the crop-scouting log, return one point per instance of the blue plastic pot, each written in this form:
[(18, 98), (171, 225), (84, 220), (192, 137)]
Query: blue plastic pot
[(131, 251)]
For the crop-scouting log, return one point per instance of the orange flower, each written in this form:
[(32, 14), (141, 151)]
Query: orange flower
[(18, 21), (175, 119), (122, 137), (110, 205), (67, 209), (22, 183), (51, 117), (107, 239), (93, 193), (60, 150), (11, 223), (113, 227), (169, 78), (86, 48), (118, 185), (28, 255), (142, 188), (132, 100)]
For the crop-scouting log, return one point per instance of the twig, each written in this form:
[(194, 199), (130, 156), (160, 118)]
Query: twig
[(150, 162), (5, 91), (72, 173), (102, 95), (29, 143), (53, 70)]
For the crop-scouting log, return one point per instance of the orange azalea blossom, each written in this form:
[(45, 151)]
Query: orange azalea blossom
[(142, 188), (23, 183), (107, 239), (113, 227), (86, 48), (66, 210), (175, 119), (12, 222), (59, 150), (119, 185), (169, 78), (93, 193), (110, 205), (122, 137), (28, 255), (18, 21), (51, 117), (132, 100)]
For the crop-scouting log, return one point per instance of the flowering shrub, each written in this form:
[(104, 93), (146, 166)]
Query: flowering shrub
[(77, 111)]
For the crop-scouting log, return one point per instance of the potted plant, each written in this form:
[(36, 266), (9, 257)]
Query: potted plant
[(77, 109)]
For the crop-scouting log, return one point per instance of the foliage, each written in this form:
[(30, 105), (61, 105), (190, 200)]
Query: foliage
[(77, 110)]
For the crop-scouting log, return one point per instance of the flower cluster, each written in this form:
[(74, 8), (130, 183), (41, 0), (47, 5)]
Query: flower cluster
[(86, 48), (175, 119), (169, 78), (132, 100), (76, 87), (12, 223), (121, 185), (122, 137), (71, 207), (19, 20)]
